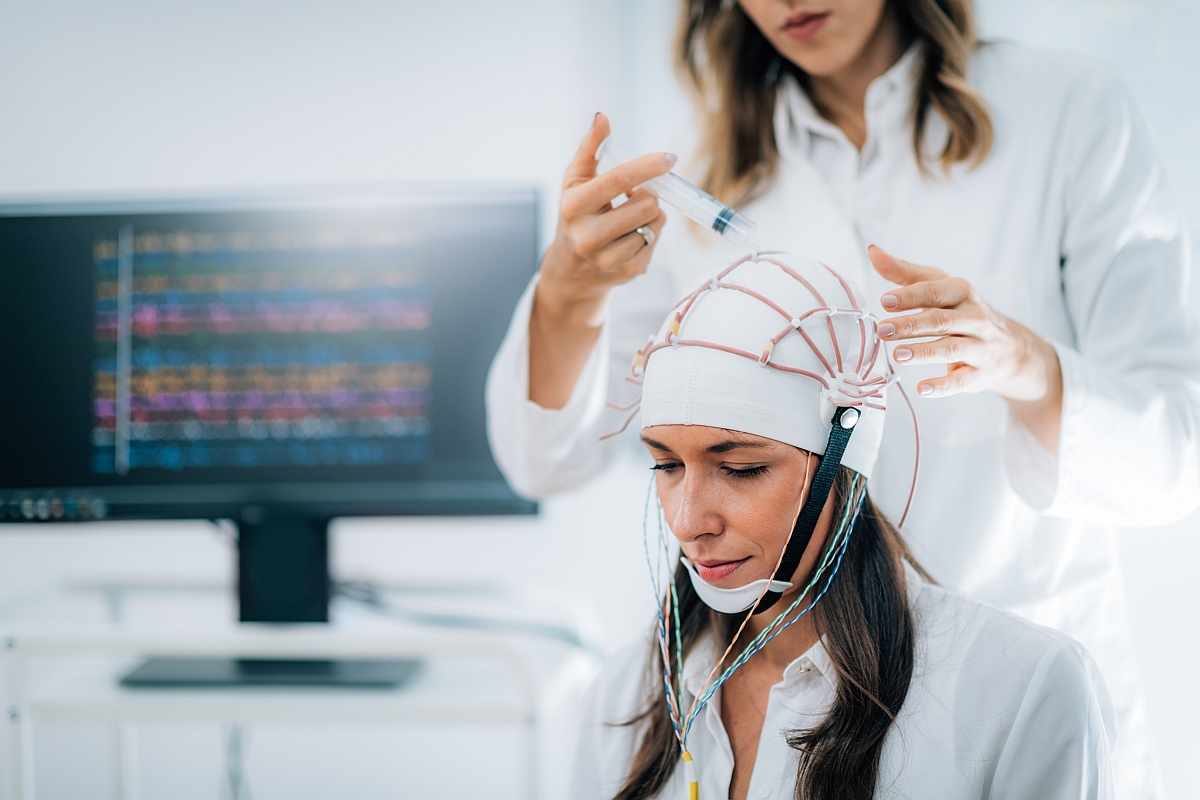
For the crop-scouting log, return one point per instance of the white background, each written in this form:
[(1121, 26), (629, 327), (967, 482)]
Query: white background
[(107, 97)]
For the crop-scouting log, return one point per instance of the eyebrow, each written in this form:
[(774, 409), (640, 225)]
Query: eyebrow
[(731, 444), (719, 447), (646, 440)]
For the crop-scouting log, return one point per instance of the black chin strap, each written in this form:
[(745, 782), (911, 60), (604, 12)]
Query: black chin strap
[(844, 420)]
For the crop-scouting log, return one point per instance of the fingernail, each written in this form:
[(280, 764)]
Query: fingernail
[(925, 389), (595, 117), (672, 158), (902, 354), (890, 301), (886, 329)]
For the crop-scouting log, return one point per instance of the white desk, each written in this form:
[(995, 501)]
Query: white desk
[(70, 672)]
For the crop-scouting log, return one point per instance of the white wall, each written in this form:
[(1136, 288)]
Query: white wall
[(117, 96), (120, 97)]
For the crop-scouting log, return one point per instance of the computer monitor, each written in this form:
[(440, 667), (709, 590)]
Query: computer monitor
[(278, 361)]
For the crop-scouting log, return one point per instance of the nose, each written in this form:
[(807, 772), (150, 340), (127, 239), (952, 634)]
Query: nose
[(694, 513)]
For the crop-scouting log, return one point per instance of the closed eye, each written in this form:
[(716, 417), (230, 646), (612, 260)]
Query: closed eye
[(748, 472), (666, 467)]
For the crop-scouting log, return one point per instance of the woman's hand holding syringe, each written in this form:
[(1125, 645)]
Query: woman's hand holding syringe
[(597, 247)]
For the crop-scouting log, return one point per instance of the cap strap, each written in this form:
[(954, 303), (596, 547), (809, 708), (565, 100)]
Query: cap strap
[(844, 420)]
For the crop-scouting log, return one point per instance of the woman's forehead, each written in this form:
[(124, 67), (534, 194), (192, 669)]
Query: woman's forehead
[(706, 436)]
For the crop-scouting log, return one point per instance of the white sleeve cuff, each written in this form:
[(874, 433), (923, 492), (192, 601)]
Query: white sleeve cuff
[(537, 448), (556, 430), (1108, 417), (1032, 469)]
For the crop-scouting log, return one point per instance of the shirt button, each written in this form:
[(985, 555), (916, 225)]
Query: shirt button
[(764, 791)]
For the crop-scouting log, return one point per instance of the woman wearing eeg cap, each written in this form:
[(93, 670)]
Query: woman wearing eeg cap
[(800, 652)]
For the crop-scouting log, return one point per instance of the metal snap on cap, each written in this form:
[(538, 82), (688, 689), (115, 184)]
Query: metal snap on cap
[(849, 417)]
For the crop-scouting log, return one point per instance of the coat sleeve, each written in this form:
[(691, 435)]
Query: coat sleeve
[(588, 772), (607, 741), (1129, 445), (1060, 743), (543, 451)]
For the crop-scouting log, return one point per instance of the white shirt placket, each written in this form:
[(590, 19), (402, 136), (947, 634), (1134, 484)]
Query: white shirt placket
[(800, 700)]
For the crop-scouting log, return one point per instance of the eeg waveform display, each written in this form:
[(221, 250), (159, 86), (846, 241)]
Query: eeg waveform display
[(321, 352), (258, 349)]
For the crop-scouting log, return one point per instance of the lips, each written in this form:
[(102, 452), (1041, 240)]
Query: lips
[(715, 571), (805, 25)]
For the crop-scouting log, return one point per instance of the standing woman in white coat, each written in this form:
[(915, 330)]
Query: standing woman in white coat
[(1048, 339)]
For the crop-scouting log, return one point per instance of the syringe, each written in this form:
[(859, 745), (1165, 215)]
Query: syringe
[(696, 203)]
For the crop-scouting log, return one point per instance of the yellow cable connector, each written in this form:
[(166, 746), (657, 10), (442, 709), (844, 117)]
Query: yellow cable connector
[(766, 356), (689, 774), (673, 330)]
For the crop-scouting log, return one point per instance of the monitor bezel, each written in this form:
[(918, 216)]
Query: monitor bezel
[(317, 499)]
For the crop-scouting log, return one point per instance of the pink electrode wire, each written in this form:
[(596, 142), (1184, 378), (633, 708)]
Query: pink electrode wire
[(868, 389)]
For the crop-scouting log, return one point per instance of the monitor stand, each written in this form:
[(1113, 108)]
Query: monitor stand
[(283, 568), (283, 577)]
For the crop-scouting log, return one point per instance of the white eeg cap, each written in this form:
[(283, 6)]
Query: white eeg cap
[(692, 382)]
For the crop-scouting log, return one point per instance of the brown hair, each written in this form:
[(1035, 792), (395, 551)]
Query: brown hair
[(734, 72), (868, 631)]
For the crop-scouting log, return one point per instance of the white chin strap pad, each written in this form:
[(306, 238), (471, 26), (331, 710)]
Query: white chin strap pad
[(731, 601)]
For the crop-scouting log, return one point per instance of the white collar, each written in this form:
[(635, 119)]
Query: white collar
[(795, 112), (914, 584), (698, 665)]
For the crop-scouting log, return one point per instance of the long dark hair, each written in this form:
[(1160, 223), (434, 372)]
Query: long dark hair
[(867, 630), (733, 71)]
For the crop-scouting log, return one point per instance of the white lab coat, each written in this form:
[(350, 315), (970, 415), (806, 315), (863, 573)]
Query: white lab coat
[(1069, 228), (997, 708)]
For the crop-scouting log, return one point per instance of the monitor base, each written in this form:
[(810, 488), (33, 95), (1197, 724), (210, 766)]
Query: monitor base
[(224, 673)]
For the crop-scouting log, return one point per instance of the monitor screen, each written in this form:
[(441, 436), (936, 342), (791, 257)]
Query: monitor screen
[(192, 358)]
